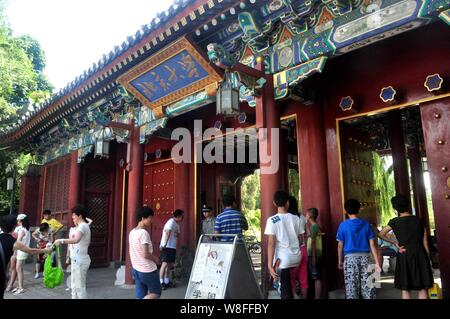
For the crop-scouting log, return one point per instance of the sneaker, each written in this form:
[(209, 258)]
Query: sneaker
[(164, 286), (19, 291), (8, 289), (14, 290), (36, 276)]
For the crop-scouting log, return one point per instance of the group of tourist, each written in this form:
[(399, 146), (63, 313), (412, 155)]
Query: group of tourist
[(357, 249), (15, 239), (294, 248)]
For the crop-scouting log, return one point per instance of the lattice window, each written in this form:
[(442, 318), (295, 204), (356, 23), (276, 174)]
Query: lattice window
[(56, 188), (47, 187), (97, 206), (99, 181), (65, 205), (59, 188)]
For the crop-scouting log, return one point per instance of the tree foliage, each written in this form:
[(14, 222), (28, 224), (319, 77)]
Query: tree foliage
[(250, 197), (22, 81), (384, 186)]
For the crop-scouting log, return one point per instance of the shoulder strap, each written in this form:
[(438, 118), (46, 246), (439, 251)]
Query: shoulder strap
[(2, 254)]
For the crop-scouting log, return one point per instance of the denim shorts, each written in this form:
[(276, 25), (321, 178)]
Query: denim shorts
[(146, 282)]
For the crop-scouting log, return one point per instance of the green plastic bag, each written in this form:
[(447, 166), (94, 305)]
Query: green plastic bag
[(53, 276)]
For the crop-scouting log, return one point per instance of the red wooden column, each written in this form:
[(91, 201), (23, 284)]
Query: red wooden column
[(314, 188), (397, 142), (75, 180), (435, 124), (418, 186), (135, 191), (268, 117), (182, 201), (284, 162)]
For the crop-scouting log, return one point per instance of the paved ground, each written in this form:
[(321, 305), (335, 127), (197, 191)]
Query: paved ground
[(100, 285)]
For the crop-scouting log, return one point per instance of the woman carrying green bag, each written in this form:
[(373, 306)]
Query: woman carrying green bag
[(80, 240)]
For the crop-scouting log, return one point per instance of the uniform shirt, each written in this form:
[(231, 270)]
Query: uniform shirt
[(137, 239), (173, 226), (208, 225), (230, 221), (286, 228)]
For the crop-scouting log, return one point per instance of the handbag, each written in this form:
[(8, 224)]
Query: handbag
[(53, 276)]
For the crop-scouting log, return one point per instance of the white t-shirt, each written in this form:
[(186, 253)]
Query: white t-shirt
[(137, 240), (286, 228), (173, 226), (79, 251)]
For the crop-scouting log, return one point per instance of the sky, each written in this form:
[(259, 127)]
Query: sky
[(76, 33)]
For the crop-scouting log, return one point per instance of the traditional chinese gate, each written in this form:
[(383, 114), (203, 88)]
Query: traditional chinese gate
[(98, 187), (159, 194)]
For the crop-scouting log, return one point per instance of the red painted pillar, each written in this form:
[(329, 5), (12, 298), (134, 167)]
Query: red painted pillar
[(314, 188), (284, 162), (397, 142), (268, 117), (418, 185), (135, 191), (435, 123), (75, 180), (182, 201)]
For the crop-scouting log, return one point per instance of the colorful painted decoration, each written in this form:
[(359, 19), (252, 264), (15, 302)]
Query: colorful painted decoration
[(433, 82), (173, 73), (148, 129), (292, 76), (445, 16), (388, 94), (346, 103), (242, 118)]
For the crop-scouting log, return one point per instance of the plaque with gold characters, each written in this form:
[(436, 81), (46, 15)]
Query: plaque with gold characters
[(172, 74)]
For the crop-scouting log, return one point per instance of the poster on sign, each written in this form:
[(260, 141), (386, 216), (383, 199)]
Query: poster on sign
[(223, 270), (210, 271)]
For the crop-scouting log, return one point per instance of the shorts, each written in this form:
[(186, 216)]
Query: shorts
[(168, 255), (146, 282), (315, 273), (21, 255)]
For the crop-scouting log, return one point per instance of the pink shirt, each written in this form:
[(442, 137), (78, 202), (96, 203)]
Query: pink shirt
[(137, 239)]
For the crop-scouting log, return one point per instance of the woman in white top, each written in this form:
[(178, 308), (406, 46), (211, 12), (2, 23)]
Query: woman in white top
[(24, 237), (80, 240)]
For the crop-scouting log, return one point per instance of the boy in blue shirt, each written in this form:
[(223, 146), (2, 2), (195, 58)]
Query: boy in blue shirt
[(356, 241)]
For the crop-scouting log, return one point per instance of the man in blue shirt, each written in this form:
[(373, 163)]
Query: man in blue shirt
[(356, 241), (230, 221)]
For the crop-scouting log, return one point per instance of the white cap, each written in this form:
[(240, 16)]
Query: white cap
[(21, 217)]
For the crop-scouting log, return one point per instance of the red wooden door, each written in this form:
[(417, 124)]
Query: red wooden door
[(98, 187), (159, 194)]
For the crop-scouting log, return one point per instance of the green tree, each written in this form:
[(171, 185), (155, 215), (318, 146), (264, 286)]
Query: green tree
[(22, 81), (384, 186), (250, 197)]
